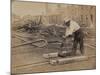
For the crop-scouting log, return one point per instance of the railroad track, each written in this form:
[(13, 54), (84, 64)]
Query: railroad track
[(47, 62)]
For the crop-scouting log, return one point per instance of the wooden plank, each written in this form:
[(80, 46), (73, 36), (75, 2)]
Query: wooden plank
[(50, 55), (31, 42), (23, 35), (90, 46), (20, 38), (72, 59), (67, 60)]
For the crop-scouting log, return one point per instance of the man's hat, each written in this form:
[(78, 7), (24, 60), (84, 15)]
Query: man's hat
[(67, 19), (67, 22)]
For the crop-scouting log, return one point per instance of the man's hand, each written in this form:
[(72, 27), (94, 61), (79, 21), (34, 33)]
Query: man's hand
[(70, 35), (64, 36)]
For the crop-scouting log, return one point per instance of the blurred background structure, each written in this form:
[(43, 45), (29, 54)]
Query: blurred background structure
[(53, 13)]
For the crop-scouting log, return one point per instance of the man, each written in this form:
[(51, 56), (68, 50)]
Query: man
[(72, 28)]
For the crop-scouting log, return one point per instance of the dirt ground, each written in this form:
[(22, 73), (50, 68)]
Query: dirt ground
[(29, 59)]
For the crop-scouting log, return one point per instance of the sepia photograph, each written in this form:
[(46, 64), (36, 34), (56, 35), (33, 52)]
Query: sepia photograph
[(52, 37)]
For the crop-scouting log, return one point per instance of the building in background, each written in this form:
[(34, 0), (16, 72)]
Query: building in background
[(53, 13)]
